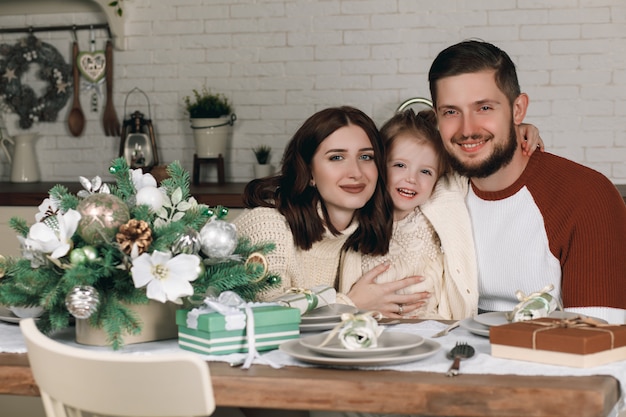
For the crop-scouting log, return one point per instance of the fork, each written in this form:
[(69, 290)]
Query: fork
[(447, 330), (460, 351)]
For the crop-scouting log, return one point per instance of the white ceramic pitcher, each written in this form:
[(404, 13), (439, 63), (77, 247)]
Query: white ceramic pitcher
[(24, 167)]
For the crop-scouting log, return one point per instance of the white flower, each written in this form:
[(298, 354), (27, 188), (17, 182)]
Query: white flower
[(141, 180), (48, 207), (53, 236), (166, 278)]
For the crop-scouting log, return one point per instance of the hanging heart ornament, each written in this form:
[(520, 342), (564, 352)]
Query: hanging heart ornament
[(92, 65)]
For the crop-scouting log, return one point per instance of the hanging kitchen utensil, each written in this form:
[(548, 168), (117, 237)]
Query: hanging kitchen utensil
[(110, 122), (76, 118), (138, 144), (92, 66)]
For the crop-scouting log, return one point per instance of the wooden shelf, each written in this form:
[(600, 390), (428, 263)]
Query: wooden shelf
[(228, 195), (32, 194)]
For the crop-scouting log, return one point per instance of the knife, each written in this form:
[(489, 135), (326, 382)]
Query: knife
[(447, 329)]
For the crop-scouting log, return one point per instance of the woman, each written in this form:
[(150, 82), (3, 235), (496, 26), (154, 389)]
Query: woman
[(329, 197)]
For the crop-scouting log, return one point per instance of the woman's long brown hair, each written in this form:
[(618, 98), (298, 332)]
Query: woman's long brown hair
[(291, 193)]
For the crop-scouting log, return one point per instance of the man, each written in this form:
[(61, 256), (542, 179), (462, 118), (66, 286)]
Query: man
[(537, 220)]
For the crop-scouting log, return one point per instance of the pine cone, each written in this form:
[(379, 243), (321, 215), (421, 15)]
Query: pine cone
[(134, 232)]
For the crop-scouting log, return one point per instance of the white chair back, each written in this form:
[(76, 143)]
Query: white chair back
[(78, 382)]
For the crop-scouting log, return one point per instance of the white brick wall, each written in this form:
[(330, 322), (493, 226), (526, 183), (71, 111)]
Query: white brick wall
[(281, 60)]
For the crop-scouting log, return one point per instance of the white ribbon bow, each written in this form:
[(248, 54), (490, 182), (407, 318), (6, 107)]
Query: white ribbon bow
[(534, 296)]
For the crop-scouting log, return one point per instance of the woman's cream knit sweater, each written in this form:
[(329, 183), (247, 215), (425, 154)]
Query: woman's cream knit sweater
[(297, 268)]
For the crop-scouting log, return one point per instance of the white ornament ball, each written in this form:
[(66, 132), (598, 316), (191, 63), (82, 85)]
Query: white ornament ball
[(218, 238), (150, 196)]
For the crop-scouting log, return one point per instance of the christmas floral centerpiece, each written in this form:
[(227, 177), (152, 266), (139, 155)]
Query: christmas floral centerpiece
[(93, 254)]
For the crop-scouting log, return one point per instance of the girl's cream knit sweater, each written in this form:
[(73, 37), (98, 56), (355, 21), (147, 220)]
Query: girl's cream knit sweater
[(456, 293)]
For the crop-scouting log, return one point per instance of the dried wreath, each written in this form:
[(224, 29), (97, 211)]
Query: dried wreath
[(20, 98)]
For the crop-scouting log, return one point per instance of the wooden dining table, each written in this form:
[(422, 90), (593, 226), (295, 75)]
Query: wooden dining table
[(383, 391)]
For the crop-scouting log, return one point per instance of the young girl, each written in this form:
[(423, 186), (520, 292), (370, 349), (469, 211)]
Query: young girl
[(432, 235), (329, 196)]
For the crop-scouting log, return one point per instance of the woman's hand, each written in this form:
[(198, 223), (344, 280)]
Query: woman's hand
[(366, 294), (532, 140)]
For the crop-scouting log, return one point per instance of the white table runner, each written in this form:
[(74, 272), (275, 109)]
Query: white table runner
[(11, 341)]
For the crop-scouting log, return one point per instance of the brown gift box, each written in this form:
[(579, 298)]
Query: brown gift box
[(571, 342)]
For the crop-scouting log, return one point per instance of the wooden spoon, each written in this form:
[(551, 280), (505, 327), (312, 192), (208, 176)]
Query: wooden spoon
[(110, 123), (76, 119)]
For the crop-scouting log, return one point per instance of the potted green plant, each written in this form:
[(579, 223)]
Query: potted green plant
[(207, 105), (262, 154), (211, 118)]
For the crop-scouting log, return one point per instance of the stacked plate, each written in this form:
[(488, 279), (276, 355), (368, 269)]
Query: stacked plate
[(8, 316), (470, 324), (324, 318), (481, 323), (393, 348)]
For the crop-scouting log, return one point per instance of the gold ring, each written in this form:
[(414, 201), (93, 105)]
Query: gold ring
[(400, 309)]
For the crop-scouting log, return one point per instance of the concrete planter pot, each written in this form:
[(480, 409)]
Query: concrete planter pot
[(159, 323), (264, 170)]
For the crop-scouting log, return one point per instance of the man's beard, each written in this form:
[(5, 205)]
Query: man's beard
[(501, 157)]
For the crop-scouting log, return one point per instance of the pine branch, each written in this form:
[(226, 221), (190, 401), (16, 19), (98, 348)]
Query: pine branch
[(178, 178), (125, 188), (120, 321), (63, 197), (251, 291), (19, 225), (142, 212), (246, 279), (197, 217)]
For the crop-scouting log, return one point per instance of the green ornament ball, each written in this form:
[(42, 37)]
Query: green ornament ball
[(90, 252), (82, 255), (201, 269), (101, 215), (78, 257), (196, 300)]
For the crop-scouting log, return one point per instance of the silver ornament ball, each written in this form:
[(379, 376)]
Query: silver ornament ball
[(82, 301), (218, 238), (188, 243)]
